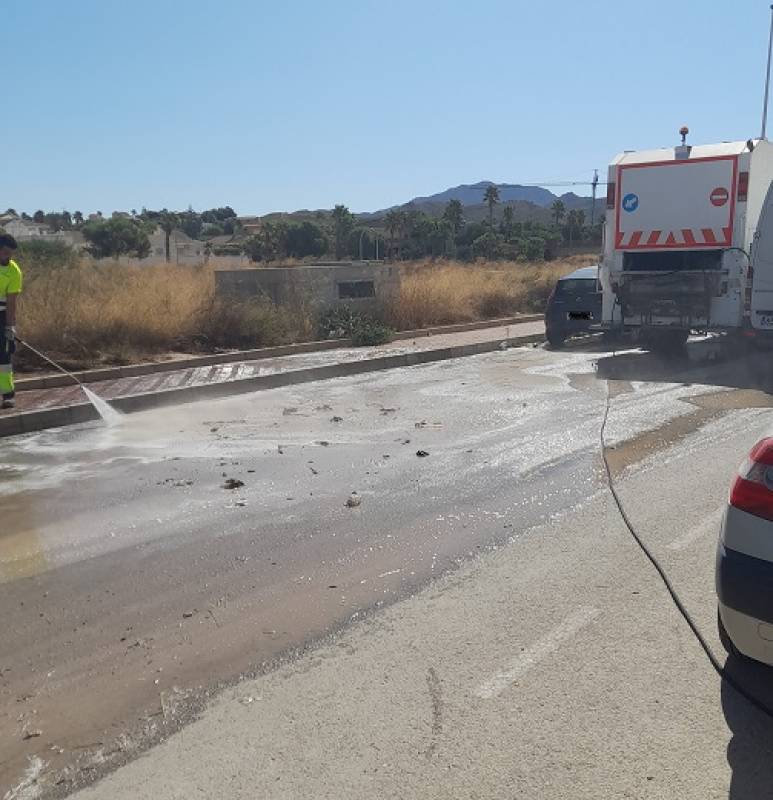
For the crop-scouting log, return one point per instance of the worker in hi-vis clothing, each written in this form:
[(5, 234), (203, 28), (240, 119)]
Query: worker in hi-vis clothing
[(10, 288)]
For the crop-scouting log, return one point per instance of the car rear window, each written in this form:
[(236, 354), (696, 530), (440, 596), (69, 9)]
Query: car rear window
[(576, 285)]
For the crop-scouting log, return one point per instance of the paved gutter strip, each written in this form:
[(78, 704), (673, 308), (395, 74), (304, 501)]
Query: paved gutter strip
[(27, 422), (137, 370)]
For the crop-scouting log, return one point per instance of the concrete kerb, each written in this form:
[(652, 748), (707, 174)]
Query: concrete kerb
[(30, 421), (137, 370), (189, 394)]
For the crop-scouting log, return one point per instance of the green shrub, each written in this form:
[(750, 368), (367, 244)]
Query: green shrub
[(371, 332), (344, 322), (338, 322), (36, 257)]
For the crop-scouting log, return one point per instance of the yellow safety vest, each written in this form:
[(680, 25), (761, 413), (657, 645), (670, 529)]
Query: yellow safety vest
[(10, 281)]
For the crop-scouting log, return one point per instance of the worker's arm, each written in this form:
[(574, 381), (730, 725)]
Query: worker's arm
[(10, 310), (12, 298)]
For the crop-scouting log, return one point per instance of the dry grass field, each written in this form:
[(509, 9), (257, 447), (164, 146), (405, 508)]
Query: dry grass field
[(91, 314)]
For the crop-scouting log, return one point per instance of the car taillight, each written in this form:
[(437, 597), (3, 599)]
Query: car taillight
[(752, 490), (743, 186), (610, 195)]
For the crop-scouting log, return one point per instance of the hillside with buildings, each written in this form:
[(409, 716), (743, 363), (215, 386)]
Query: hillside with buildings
[(467, 221)]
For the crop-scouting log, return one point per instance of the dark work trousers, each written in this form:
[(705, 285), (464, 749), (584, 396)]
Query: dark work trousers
[(6, 368)]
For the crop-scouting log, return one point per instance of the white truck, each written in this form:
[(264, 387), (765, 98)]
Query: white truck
[(688, 241)]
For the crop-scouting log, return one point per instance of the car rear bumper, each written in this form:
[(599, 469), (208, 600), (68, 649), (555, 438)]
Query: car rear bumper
[(745, 591), (561, 322), (745, 583), (751, 636)]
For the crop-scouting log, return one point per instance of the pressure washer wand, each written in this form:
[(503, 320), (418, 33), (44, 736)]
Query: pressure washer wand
[(50, 361)]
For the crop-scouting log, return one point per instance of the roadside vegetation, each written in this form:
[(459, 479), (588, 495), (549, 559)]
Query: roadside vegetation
[(407, 234), (443, 293), (513, 231), (88, 313)]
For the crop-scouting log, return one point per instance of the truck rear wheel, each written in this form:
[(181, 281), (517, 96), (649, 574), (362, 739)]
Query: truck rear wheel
[(664, 342), (612, 337), (555, 338)]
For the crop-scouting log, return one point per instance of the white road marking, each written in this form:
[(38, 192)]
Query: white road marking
[(709, 524), (534, 654)]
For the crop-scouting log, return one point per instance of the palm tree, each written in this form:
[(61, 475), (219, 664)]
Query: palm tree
[(343, 222), (491, 198), (444, 233), (266, 244), (393, 222), (572, 223), (558, 210), (454, 215), (407, 231), (508, 217), (167, 221)]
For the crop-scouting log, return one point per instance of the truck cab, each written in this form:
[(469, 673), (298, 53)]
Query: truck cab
[(678, 233)]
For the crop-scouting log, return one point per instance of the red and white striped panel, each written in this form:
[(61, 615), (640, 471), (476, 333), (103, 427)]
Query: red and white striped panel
[(687, 237)]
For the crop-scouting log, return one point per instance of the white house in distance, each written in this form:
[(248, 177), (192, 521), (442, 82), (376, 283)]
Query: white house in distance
[(182, 249), (25, 230)]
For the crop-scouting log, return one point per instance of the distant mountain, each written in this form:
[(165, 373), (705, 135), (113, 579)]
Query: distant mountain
[(572, 200), (528, 202), (472, 194)]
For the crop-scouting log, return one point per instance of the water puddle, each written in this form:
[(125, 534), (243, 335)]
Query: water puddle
[(21, 550)]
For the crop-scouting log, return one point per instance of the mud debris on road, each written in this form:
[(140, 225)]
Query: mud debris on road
[(91, 520)]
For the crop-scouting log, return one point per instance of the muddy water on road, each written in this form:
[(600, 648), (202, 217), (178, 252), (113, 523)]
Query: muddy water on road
[(709, 407), (134, 582)]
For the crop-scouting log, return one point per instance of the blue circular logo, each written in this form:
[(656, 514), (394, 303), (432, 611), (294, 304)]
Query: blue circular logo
[(630, 202)]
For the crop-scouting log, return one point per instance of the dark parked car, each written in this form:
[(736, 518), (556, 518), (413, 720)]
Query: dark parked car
[(574, 305)]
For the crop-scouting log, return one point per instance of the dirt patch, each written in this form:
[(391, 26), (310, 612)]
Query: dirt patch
[(709, 407), (617, 388), (732, 400), (584, 381)]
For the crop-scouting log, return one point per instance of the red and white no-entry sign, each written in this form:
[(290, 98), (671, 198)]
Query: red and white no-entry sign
[(719, 196)]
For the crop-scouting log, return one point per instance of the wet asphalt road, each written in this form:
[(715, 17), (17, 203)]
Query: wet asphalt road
[(133, 581)]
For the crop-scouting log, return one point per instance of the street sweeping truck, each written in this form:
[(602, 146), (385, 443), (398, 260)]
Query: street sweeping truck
[(688, 242)]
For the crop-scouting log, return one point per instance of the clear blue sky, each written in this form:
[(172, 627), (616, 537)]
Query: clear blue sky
[(279, 106)]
